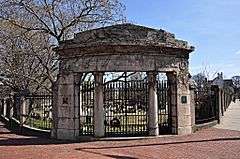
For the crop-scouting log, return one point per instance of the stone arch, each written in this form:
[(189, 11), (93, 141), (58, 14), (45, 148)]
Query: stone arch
[(122, 48)]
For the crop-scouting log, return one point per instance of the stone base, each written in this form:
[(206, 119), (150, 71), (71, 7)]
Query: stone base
[(65, 134), (154, 131), (185, 130)]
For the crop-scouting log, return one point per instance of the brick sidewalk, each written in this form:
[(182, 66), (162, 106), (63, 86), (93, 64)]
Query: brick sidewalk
[(211, 143)]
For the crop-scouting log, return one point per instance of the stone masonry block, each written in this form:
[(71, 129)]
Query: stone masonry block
[(66, 79), (67, 100), (65, 123), (66, 111), (184, 109), (184, 120), (184, 130), (65, 134), (65, 89)]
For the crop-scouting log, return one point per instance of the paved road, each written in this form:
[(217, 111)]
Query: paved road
[(206, 144), (231, 118)]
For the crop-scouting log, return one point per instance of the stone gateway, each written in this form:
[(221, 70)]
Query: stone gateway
[(129, 107)]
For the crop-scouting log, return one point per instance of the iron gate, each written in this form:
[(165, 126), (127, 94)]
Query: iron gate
[(125, 104), (86, 108), (164, 115)]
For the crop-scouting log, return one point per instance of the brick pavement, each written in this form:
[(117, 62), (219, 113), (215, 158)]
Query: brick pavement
[(206, 144)]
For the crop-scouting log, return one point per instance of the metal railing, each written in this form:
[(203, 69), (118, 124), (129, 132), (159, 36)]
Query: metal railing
[(33, 110), (39, 111), (205, 105)]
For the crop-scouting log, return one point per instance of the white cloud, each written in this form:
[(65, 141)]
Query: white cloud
[(238, 52)]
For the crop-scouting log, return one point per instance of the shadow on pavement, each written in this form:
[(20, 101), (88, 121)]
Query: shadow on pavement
[(30, 141), (109, 155), (157, 144), (11, 137)]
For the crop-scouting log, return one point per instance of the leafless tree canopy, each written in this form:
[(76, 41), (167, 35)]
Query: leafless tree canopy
[(200, 80), (23, 58), (236, 81), (60, 18), (31, 28)]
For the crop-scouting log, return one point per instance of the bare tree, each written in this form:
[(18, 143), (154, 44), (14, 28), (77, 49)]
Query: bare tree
[(43, 24), (20, 66), (236, 85), (200, 80), (236, 81), (60, 18)]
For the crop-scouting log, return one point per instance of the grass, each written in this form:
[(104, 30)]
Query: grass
[(39, 123)]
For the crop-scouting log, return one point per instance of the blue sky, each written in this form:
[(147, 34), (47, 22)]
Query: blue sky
[(212, 26)]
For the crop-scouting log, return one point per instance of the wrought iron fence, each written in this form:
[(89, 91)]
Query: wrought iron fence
[(205, 105), (35, 109), (39, 111)]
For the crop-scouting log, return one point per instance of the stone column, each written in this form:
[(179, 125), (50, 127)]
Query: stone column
[(221, 98), (192, 104), (220, 104), (77, 81), (217, 90), (181, 93), (4, 107), (1, 107), (153, 105), (65, 108), (172, 100), (11, 102), (22, 110), (98, 118)]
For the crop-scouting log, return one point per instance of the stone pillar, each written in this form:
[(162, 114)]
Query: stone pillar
[(4, 107), (220, 104), (98, 105), (65, 107), (22, 110), (192, 104), (172, 100), (11, 102), (153, 105), (77, 81), (185, 125), (224, 100), (181, 93), (221, 98), (217, 92)]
